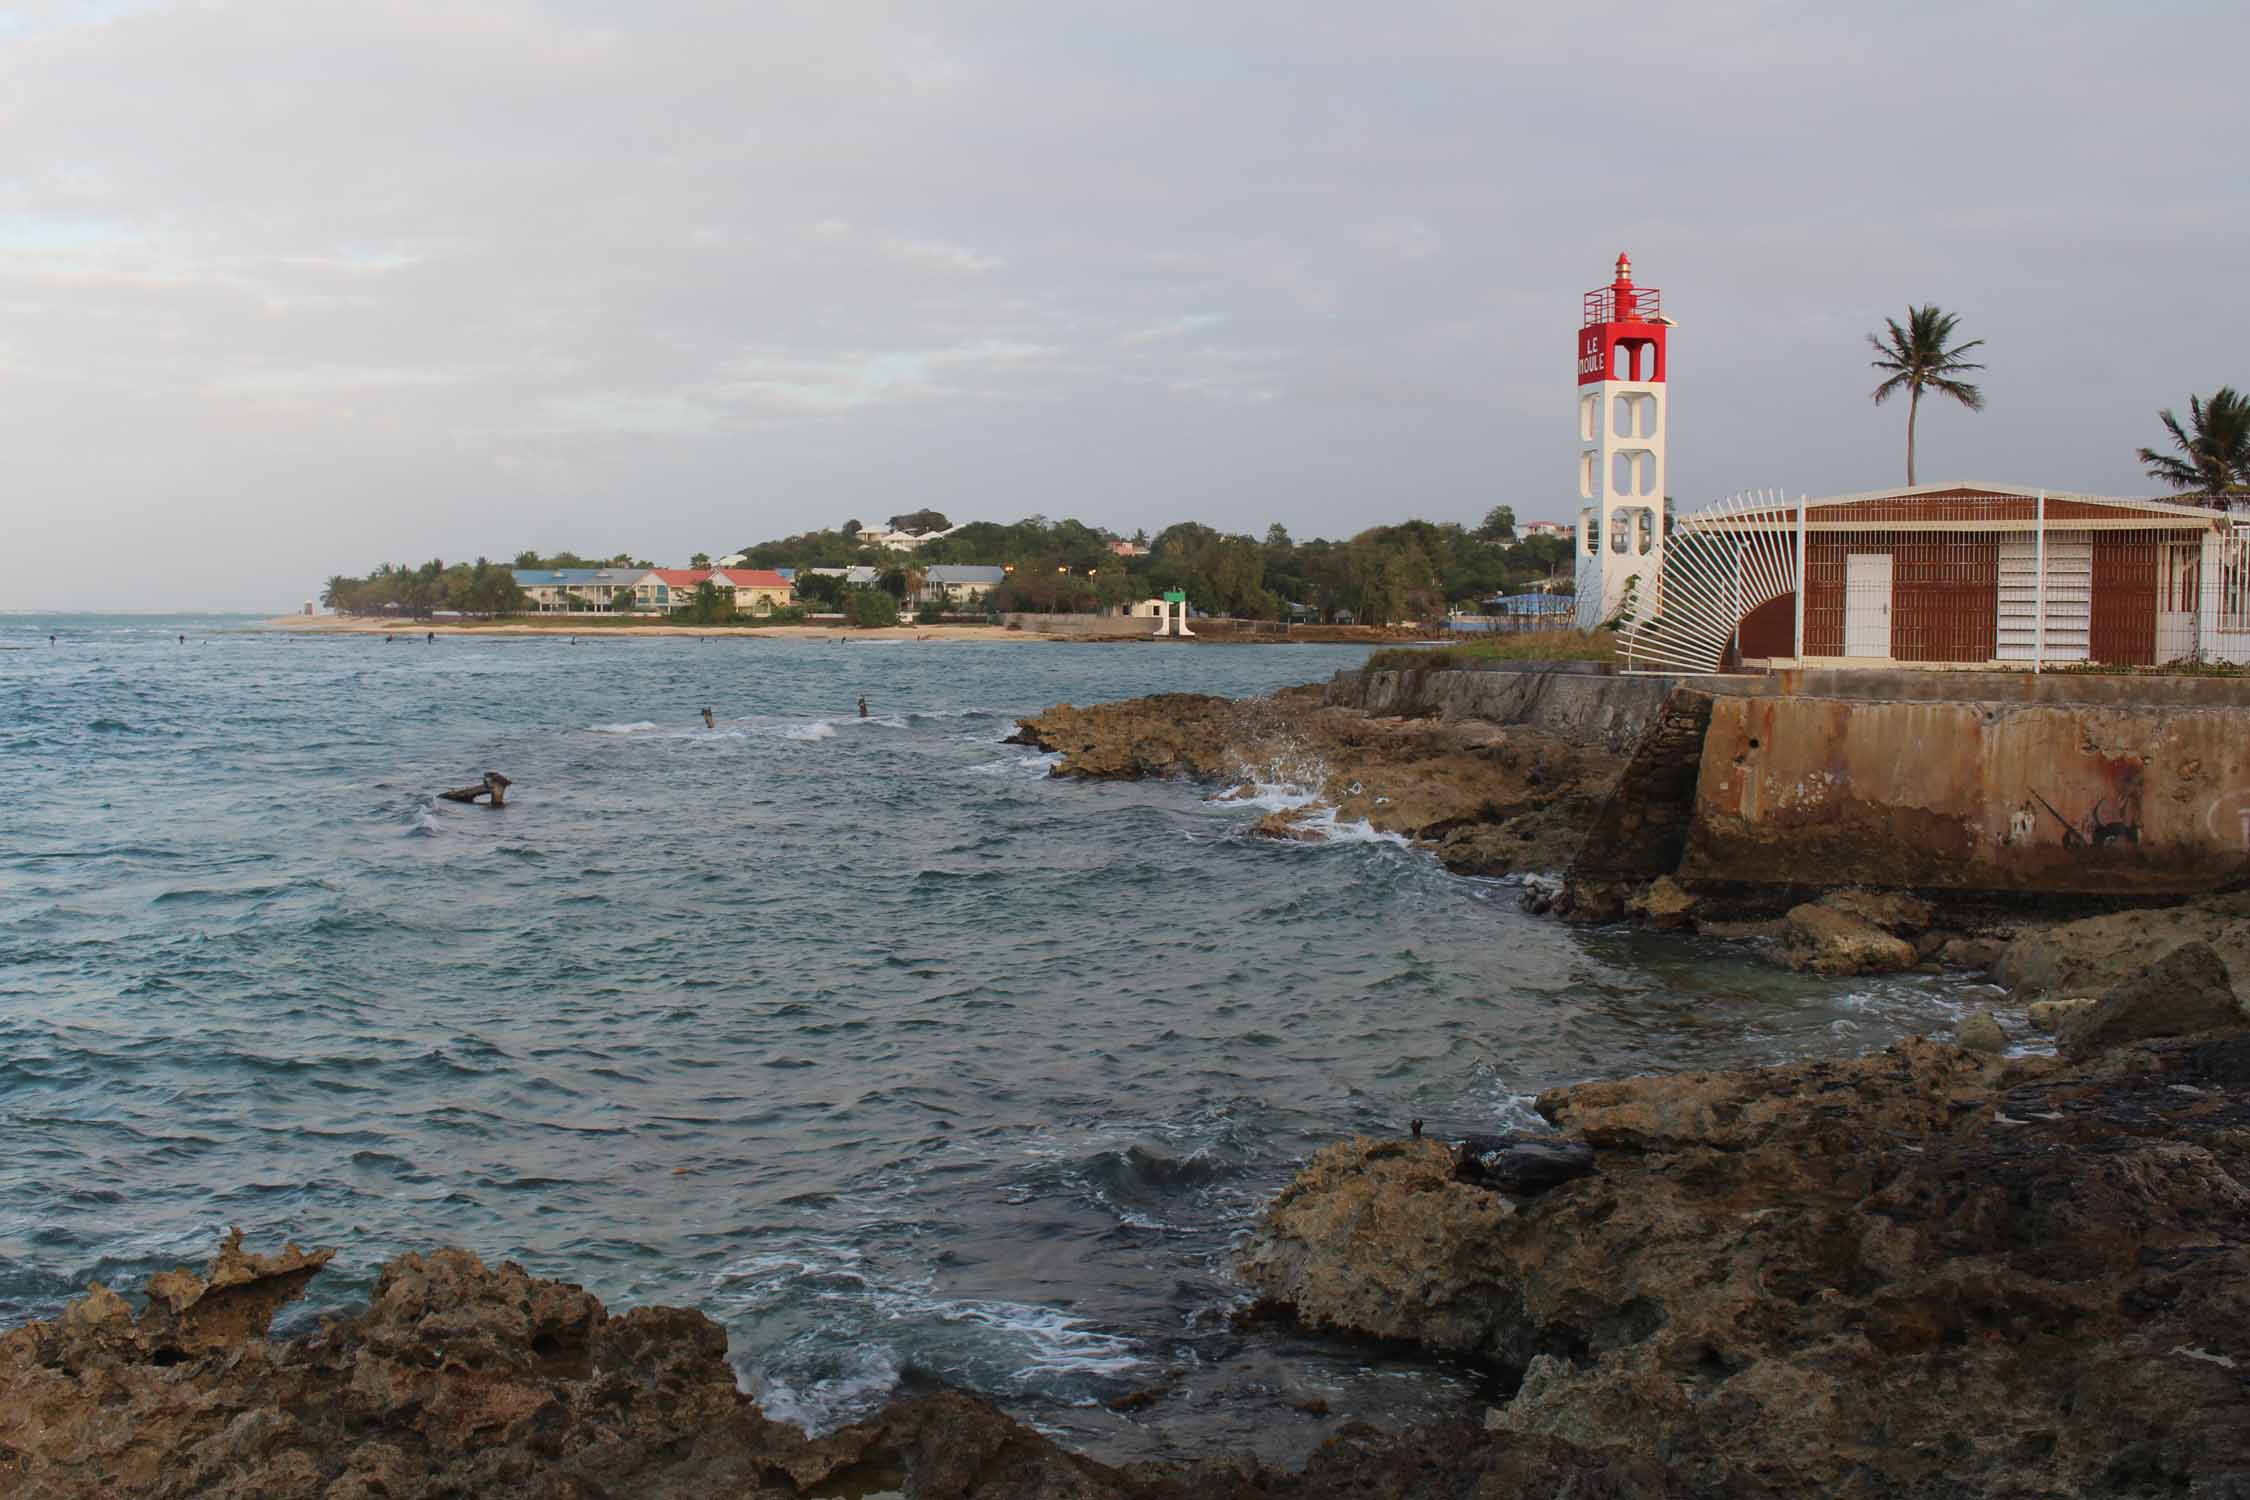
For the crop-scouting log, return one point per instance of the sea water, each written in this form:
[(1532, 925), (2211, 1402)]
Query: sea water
[(890, 1051)]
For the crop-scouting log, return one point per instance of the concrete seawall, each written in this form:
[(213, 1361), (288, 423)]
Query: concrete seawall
[(1963, 781), (2081, 799)]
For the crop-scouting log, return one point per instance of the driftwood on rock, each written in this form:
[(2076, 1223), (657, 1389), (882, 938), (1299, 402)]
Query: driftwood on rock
[(494, 786)]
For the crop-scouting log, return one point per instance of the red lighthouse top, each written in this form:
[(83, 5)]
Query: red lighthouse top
[(1623, 302), (1622, 334)]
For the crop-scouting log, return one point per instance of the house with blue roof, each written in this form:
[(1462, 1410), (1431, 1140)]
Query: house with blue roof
[(957, 584)]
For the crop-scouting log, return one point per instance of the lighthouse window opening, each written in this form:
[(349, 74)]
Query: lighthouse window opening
[(1590, 532), (1644, 531), (1585, 476), (1644, 472), (1589, 417), (1620, 527)]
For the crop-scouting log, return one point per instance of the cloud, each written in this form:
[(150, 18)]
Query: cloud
[(442, 277)]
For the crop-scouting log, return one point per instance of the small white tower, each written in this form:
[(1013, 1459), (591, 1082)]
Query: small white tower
[(1621, 433)]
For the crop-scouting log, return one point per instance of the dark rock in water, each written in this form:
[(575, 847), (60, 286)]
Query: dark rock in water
[(2185, 991), (1520, 1163)]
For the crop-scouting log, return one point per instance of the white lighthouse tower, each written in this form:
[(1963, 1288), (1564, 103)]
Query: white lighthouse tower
[(1621, 433)]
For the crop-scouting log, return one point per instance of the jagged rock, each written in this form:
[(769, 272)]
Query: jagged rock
[(2088, 956), (2183, 992), (1520, 1163), (1288, 826), (1981, 1033), (1824, 940), (1589, 902), (1896, 912), (1491, 799), (461, 1379), (1971, 952), (2049, 1015), (1929, 1272), (1663, 904)]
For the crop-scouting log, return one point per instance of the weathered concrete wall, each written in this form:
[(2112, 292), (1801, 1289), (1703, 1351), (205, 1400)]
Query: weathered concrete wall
[(2071, 798), (1642, 830), (1091, 626), (1574, 701)]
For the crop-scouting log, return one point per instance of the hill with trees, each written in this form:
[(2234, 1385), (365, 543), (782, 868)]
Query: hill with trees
[(1410, 570)]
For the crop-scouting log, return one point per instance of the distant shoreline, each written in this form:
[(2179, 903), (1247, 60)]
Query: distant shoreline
[(597, 627)]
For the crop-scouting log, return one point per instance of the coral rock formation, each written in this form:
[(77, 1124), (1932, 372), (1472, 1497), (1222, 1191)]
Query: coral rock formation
[(1926, 1272)]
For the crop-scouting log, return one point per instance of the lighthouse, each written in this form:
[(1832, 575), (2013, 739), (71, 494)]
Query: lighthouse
[(1621, 433)]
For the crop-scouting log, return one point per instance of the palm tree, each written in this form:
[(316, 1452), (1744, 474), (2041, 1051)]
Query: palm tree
[(2217, 450), (1916, 359)]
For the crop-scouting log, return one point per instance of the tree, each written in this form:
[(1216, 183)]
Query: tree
[(700, 560), (1277, 537), (921, 522), (820, 588), (710, 606), (1499, 525), (2215, 444), (850, 528), (870, 608), (1915, 358)]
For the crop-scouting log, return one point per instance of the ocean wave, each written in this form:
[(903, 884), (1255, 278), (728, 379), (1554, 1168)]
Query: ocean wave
[(638, 726), (870, 1328), (818, 729)]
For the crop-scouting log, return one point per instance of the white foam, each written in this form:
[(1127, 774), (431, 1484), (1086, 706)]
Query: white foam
[(870, 1373), (1031, 766), (818, 729), (638, 726)]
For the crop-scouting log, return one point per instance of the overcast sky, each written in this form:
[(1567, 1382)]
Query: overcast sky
[(293, 287)]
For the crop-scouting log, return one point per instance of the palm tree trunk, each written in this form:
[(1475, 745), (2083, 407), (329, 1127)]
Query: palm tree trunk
[(1913, 408)]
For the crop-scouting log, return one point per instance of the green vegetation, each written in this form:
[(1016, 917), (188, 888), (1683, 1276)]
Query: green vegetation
[(870, 609), (708, 607), (2214, 446), (921, 522), (1916, 359), (1410, 571), (478, 588), (1527, 645), (529, 560)]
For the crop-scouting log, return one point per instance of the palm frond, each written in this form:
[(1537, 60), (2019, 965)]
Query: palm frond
[(1960, 390)]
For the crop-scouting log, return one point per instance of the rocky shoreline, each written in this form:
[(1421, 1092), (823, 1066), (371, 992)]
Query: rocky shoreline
[(1968, 1268), (1927, 1272), (1520, 800)]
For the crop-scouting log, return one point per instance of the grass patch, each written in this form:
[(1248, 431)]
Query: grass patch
[(2167, 669), (1526, 645)]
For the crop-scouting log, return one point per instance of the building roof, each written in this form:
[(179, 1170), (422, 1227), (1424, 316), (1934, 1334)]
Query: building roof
[(737, 578), (577, 577), (1954, 506), (965, 573), (858, 576), (755, 578)]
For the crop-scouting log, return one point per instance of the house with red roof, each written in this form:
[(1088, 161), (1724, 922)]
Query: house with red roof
[(754, 591)]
